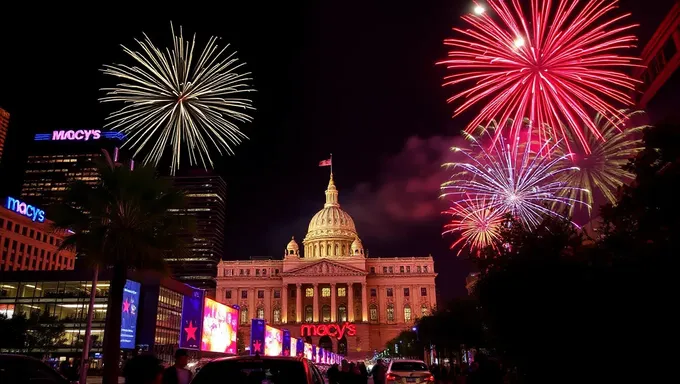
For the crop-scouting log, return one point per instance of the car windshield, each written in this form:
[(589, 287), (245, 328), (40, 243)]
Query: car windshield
[(408, 366), (268, 371)]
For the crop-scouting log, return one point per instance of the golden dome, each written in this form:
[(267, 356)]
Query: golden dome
[(357, 247), (293, 245)]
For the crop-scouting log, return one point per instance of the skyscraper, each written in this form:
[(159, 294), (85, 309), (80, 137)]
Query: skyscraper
[(61, 157), (4, 124), (206, 194)]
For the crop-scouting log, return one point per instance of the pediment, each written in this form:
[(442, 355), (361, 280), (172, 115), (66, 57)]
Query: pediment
[(325, 267)]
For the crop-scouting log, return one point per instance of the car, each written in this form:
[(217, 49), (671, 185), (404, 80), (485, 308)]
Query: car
[(408, 371), (259, 369), (19, 369)]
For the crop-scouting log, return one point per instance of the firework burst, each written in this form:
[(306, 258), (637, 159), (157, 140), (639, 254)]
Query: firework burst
[(546, 65), (602, 170), (520, 182), (175, 98), (477, 225)]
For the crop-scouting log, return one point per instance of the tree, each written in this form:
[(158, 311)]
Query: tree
[(45, 332), (126, 221), (406, 344), (13, 330)]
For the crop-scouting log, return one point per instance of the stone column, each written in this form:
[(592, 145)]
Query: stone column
[(298, 303), (284, 304), (333, 305), (364, 303), (315, 315), (252, 310), (350, 302)]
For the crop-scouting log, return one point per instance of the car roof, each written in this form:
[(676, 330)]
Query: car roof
[(237, 358), (407, 361)]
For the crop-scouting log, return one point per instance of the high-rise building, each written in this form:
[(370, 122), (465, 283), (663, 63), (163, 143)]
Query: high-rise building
[(61, 157), (4, 124), (206, 194)]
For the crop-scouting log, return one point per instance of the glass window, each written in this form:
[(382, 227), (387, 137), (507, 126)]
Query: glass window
[(408, 269), (407, 314), (342, 292), (260, 313), (384, 269), (309, 292), (257, 272), (309, 314), (373, 313), (390, 312), (390, 292), (264, 272), (277, 315), (374, 292), (423, 310), (277, 293), (425, 268), (407, 292), (260, 294), (401, 269), (418, 269), (244, 294), (326, 313), (372, 269), (227, 294), (325, 292), (244, 315), (423, 291), (390, 269)]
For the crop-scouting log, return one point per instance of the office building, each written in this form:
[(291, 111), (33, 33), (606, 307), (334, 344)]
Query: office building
[(61, 157), (27, 240), (206, 194), (4, 125)]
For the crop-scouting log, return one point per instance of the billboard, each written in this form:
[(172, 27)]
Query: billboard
[(220, 326), (192, 320), (293, 346), (128, 321), (286, 343), (308, 351), (257, 336), (78, 135), (273, 341)]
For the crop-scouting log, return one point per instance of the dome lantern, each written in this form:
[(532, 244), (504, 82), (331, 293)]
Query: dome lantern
[(292, 249), (357, 247)]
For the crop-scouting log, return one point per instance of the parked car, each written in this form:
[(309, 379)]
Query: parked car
[(408, 371), (18, 369), (259, 369)]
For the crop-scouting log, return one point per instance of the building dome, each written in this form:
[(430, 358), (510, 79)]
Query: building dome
[(331, 231), (357, 247)]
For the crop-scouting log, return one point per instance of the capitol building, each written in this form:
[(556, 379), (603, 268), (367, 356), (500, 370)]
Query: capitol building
[(328, 291)]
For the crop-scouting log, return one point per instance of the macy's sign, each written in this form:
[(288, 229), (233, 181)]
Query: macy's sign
[(333, 330)]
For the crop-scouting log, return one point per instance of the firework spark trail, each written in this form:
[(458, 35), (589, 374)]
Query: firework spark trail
[(174, 100), (546, 68), (478, 226)]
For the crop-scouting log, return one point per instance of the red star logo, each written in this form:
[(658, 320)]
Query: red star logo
[(257, 345), (126, 306), (191, 331)]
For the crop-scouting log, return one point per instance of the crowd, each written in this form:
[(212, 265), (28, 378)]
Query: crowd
[(351, 373)]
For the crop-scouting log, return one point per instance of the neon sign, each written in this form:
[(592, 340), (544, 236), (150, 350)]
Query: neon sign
[(78, 135), (333, 330), (27, 210)]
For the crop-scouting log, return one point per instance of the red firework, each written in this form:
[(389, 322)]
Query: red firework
[(548, 67)]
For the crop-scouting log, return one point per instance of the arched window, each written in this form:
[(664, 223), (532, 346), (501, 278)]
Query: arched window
[(326, 343), (277, 315), (260, 313), (407, 314), (423, 310), (342, 346), (309, 314), (390, 312), (342, 313), (326, 313), (373, 313), (328, 250), (244, 315)]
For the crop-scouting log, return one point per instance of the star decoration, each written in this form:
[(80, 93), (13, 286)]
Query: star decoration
[(257, 345), (126, 306), (191, 331)]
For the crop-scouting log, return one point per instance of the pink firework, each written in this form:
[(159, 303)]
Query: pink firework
[(478, 225), (551, 65)]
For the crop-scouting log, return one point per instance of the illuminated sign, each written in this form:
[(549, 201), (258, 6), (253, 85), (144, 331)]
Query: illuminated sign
[(286, 342), (220, 327), (273, 341), (27, 210), (257, 332), (128, 317), (192, 320), (333, 330), (79, 135)]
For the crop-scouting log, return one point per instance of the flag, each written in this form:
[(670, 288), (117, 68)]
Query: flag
[(325, 163)]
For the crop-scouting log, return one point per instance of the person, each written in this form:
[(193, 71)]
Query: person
[(178, 374), (143, 369), (332, 374), (363, 372), (379, 372)]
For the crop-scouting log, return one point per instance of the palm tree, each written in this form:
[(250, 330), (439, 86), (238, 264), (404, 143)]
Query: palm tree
[(127, 221)]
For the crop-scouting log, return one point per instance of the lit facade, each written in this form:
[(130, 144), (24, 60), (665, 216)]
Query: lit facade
[(4, 125), (331, 282), (28, 245), (206, 194)]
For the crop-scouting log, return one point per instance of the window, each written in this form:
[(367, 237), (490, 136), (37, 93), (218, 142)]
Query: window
[(423, 310), (390, 270), (257, 272), (227, 294), (260, 313), (374, 292), (264, 272), (277, 315), (309, 314), (342, 313), (277, 293), (276, 271), (408, 269), (326, 313), (293, 292), (244, 294), (260, 295), (373, 313), (407, 314), (423, 291), (309, 292), (401, 269), (372, 269), (425, 268), (390, 292), (418, 269), (384, 269), (407, 292), (244, 315), (241, 273), (342, 292), (390, 312), (325, 292), (247, 272)]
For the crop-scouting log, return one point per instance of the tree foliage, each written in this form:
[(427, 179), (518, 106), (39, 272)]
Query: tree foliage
[(28, 333)]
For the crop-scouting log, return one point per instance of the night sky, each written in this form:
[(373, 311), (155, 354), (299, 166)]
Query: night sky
[(355, 78)]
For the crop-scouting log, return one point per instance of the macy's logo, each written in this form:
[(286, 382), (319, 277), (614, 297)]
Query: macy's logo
[(333, 330)]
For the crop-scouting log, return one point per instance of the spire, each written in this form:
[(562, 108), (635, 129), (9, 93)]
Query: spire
[(331, 194)]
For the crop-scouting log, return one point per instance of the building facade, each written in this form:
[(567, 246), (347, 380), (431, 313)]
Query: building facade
[(28, 242), (4, 126), (330, 293), (206, 194)]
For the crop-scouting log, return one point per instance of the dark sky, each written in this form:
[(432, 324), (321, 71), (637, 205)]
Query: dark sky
[(355, 78)]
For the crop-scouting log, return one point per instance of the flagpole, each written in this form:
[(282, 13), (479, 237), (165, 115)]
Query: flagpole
[(331, 165)]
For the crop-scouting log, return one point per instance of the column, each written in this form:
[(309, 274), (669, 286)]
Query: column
[(364, 303), (333, 305), (315, 315), (252, 310), (350, 302), (268, 308), (284, 304), (298, 303)]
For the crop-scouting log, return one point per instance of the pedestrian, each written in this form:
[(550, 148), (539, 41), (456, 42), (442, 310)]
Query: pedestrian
[(143, 369), (378, 372), (332, 374), (363, 372), (178, 374)]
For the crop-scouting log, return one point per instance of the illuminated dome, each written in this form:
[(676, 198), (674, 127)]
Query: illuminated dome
[(331, 231), (292, 248), (357, 247)]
